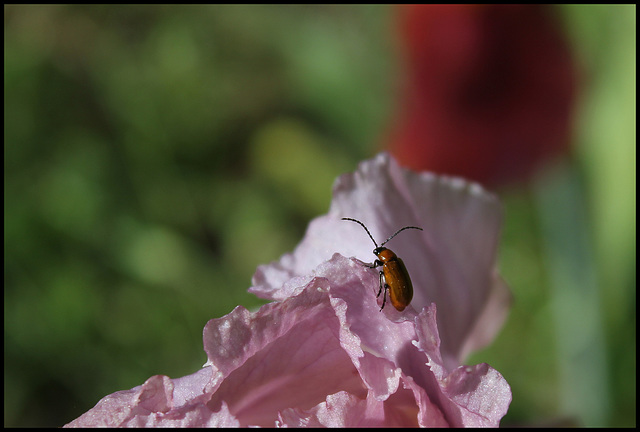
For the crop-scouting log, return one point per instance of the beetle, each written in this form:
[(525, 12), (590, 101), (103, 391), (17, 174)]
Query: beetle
[(394, 272)]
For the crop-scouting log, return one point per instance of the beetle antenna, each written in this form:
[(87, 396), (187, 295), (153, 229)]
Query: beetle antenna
[(365, 228), (396, 233)]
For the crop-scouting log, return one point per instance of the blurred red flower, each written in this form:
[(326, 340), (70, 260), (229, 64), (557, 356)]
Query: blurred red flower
[(489, 90)]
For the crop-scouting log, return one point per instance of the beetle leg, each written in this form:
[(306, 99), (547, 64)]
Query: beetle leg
[(385, 287), (376, 263), (384, 298)]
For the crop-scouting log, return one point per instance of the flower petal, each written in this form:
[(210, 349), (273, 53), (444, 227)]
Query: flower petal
[(476, 396), (451, 262), (160, 401), (285, 355)]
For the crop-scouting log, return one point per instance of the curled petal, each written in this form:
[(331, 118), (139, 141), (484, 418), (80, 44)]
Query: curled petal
[(469, 395), (287, 354), (452, 262), (160, 401)]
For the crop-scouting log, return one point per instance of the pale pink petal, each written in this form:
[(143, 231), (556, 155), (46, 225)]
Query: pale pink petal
[(407, 407), (379, 340), (287, 354), (429, 413), (160, 401), (451, 262), (195, 415), (346, 410), (481, 393), (457, 261), (341, 409), (468, 395), (490, 318)]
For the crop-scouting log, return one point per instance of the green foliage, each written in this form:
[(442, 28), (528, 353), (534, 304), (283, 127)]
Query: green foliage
[(156, 155)]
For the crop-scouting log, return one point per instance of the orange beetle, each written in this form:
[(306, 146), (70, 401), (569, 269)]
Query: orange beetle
[(395, 274)]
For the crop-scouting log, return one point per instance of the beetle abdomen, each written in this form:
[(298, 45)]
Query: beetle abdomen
[(397, 278)]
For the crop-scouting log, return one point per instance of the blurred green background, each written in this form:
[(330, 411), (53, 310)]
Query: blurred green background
[(154, 156)]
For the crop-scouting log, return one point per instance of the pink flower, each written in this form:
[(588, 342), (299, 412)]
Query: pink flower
[(322, 353)]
